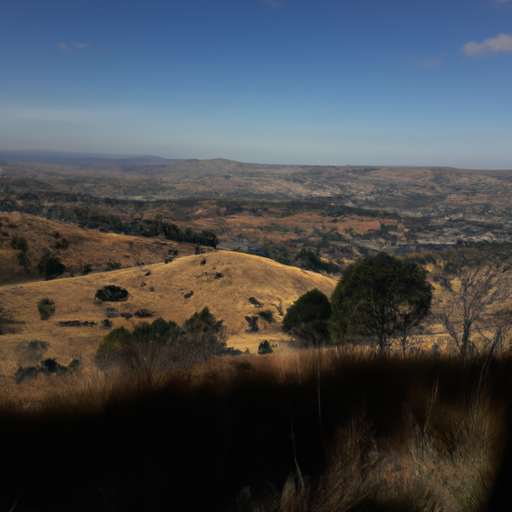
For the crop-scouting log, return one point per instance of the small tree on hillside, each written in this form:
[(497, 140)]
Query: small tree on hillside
[(307, 319), (20, 244), (46, 308), (203, 328), (51, 266), (380, 296)]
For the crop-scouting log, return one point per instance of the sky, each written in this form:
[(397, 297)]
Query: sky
[(326, 82)]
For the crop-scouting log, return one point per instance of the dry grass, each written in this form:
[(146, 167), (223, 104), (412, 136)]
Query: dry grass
[(163, 292), (323, 430), (86, 246)]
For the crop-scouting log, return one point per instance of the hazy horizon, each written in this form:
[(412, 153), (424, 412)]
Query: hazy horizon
[(55, 155)]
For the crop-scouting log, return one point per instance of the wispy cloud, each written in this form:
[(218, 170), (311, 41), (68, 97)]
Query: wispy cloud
[(273, 3), (502, 43), (64, 47), (430, 63), (67, 49)]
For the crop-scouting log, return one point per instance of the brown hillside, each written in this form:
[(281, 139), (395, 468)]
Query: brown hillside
[(75, 247), (224, 281)]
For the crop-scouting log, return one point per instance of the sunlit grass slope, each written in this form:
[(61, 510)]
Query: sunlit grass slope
[(223, 281)]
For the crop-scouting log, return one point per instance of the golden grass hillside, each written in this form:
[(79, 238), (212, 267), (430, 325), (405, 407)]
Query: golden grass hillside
[(223, 281), (81, 247)]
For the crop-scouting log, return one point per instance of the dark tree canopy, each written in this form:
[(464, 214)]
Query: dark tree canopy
[(307, 319), (380, 296)]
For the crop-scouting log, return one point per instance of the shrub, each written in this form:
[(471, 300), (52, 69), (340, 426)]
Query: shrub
[(51, 266), (307, 319), (62, 244), (112, 343), (264, 348), (87, 268), (203, 327), (107, 323), (22, 259), (267, 315), (143, 313), (46, 308), (310, 260), (253, 323), (111, 293), (38, 345), (19, 244), (155, 347)]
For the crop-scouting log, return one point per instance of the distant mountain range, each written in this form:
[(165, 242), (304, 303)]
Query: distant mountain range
[(70, 158)]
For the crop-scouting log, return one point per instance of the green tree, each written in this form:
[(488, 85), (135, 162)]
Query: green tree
[(310, 260), (307, 319), (51, 266), (152, 348), (205, 329), (380, 296), (46, 308), (18, 243), (112, 344), (21, 245)]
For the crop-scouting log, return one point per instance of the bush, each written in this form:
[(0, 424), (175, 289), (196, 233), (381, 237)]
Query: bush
[(106, 323), (267, 315), (253, 323), (111, 293), (46, 308), (111, 344), (310, 260), (152, 348), (51, 266), (87, 268), (19, 244), (264, 348), (307, 319)]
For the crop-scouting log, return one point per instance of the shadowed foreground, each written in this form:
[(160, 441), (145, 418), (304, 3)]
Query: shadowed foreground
[(323, 431)]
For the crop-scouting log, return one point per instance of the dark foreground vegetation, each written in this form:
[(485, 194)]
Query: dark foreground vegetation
[(320, 430)]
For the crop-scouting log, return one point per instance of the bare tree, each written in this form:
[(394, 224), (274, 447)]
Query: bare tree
[(477, 304)]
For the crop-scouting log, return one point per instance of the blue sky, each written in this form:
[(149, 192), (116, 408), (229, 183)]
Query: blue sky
[(389, 82)]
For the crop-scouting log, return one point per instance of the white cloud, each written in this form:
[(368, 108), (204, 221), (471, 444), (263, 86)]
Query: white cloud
[(502, 43), (64, 47), (430, 63), (80, 45)]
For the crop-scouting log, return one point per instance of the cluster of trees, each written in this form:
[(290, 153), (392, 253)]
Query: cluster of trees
[(383, 298), (86, 217), (379, 296), (311, 260), (160, 345)]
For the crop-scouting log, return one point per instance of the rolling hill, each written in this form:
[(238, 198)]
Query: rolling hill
[(232, 285)]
